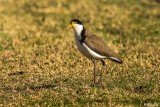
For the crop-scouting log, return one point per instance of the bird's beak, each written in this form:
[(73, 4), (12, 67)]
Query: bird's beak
[(71, 25)]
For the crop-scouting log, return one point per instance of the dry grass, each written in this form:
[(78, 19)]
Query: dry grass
[(41, 66)]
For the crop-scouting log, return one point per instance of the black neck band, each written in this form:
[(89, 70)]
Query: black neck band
[(83, 36)]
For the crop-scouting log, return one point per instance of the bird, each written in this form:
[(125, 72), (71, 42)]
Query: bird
[(92, 46)]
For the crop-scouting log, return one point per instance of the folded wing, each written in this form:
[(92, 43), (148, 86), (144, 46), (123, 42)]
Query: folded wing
[(96, 44)]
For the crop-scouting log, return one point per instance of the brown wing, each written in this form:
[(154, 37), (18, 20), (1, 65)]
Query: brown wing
[(96, 44)]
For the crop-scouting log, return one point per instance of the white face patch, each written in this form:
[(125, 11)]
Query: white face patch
[(77, 30)]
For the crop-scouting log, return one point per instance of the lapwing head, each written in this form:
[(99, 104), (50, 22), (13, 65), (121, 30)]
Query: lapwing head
[(76, 25)]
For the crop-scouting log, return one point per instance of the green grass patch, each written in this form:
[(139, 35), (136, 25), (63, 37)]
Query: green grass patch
[(41, 66)]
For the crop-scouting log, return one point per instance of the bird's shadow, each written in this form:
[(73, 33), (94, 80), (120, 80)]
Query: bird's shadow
[(25, 88), (16, 73), (44, 86), (38, 87)]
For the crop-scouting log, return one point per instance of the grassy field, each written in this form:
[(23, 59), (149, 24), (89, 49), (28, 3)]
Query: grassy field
[(41, 66)]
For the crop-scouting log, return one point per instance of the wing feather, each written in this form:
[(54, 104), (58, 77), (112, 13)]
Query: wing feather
[(96, 44)]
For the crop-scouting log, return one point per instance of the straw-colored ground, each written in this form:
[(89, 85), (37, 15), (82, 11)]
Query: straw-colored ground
[(41, 66)]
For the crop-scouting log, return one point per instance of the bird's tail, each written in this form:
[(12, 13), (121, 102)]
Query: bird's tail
[(117, 60)]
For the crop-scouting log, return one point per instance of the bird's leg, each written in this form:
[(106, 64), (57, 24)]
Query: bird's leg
[(94, 76), (101, 73), (104, 64)]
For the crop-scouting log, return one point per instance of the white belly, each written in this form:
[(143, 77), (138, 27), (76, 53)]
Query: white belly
[(86, 51)]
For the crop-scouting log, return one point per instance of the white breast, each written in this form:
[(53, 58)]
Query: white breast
[(86, 51)]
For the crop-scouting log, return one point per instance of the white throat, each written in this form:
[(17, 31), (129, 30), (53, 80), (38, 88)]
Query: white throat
[(77, 30)]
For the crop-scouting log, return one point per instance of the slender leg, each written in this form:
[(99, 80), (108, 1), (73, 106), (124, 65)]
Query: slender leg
[(94, 77), (103, 63), (101, 73)]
